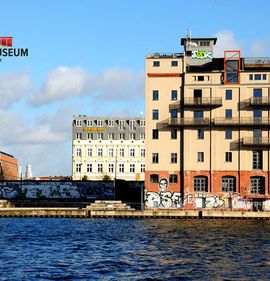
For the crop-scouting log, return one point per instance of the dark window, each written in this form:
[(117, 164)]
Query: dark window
[(173, 178), (155, 95), (228, 113), (197, 93), (228, 94), (174, 63), (250, 76), (174, 134), (155, 114), (155, 134), (257, 160), (228, 156), (257, 93), (154, 157), (257, 185), (173, 157), (200, 184), (257, 113), (198, 114), (174, 113), (174, 94), (200, 78), (264, 76), (153, 178), (200, 134), (156, 63), (200, 157), (228, 184), (257, 77), (228, 134)]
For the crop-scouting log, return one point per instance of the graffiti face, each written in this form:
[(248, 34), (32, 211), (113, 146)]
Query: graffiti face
[(163, 183)]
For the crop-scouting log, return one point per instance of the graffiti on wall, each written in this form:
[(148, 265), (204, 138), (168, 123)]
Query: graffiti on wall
[(164, 198), (56, 190)]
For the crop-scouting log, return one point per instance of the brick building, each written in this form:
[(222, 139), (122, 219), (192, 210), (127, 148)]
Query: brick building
[(8, 167)]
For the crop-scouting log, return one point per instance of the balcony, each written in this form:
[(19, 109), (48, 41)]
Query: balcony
[(259, 62), (263, 102), (184, 122), (255, 142), (198, 102), (242, 121)]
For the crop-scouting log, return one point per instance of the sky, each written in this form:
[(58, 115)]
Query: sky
[(88, 57)]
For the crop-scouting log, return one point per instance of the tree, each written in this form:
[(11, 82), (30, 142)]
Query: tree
[(85, 178), (106, 178)]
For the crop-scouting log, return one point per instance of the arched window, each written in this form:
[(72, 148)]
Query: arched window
[(153, 178), (228, 184), (173, 178), (200, 184), (257, 185)]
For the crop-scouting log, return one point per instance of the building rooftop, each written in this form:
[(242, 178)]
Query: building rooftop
[(4, 153), (183, 40)]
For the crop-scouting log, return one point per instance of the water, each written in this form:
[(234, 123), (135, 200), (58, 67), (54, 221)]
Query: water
[(139, 249)]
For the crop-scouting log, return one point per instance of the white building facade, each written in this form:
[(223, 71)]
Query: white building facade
[(108, 147)]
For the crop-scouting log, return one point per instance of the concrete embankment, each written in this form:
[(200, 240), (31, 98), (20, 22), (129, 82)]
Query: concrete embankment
[(151, 213)]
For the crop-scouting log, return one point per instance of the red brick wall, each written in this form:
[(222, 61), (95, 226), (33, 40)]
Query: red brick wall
[(9, 167)]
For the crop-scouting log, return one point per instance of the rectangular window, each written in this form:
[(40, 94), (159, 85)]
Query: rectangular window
[(142, 136), (99, 152), (155, 95), (132, 152), (132, 124), (132, 168), (173, 134), (174, 113), (132, 136), (173, 157), (89, 168), (78, 122), (121, 168), (200, 78), (257, 93), (122, 136), (155, 114), (142, 168), (89, 123), (100, 168), (111, 136), (228, 94), (257, 160), (200, 134), (154, 157), (200, 184), (79, 152), (228, 184), (142, 152), (110, 152), (257, 77), (122, 152), (200, 157), (228, 134), (89, 152), (174, 95), (78, 167), (99, 123), (111, 168), (110, 123), (90, 136), (228, 156), (250, 76), (155, 134), (264, 76), (174, 63), (173, 178), (142, 123), (100, 136), (121, 124), (228, 113), (156, 63), (79, 136), (198, 114)]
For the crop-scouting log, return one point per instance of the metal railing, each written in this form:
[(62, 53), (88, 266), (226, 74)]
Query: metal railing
[(255, 141), (203, 101), (259, 101), (257, 60), (242, 121), (189, 121)]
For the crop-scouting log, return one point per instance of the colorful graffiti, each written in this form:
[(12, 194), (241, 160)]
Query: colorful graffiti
[(56, 190)]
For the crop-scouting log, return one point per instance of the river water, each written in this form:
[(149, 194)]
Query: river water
[(133, 249)]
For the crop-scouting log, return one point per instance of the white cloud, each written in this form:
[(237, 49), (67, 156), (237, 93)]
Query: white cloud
[(226, 41), (112, 84), (258, 49), (13, 87)]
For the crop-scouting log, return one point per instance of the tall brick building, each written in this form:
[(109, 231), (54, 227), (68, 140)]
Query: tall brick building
[(8, 167)]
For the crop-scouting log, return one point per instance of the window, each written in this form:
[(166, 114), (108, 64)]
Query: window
[(132, 124), (110, 123), (200, 134), (257, 77), (257, 185), (153, 178), (78, 122), (100, 136), (257, 113), (132, 168), (79, 136), (121, 168), (89, 168), (228, 113), (155, 95), (111, 168), (79, 152), (173, 157), (122, 152), (99, 152), (228, 156), (198, 114), (78, 168), (264, 76), (142, 168), (155, 134), (250, 76), (89, 123), (228, 94), (132, 152), (121, 124), (154, 157), (200, 184), (132, 136), (174, 63), (90, 136), (156, 63), (257, 93), (257, 162), (200, 78), (111, 136), (174, 95), (174, 113), (155, 114), (142, 123), (173, 134), (122, 136), (173, 178), (89, 152), (100, 168), (200, 157), (99, 123), (228, 184), (110, 152), (142, 136), (142, 152), (228, 134)]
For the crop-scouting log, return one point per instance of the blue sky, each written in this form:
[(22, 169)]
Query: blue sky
[(87, 57)]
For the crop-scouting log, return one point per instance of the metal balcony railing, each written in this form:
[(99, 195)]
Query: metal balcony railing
[(263, 101), (250, 141), (242, 121), (197, 102), (257, 60), (189, 121)]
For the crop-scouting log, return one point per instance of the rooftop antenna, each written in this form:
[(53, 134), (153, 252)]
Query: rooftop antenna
[(189, 33)]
